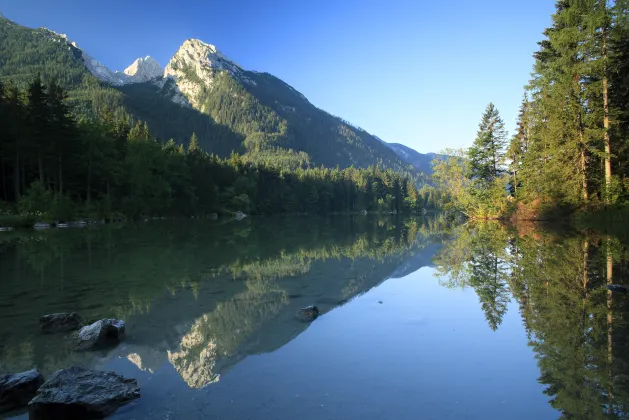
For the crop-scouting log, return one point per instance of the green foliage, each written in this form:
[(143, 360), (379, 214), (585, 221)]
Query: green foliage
[(487, 154), (36, 200), (100, 166), (254, 114)]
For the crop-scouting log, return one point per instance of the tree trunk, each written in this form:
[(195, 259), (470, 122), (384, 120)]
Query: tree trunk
[(4, 181), (584, 179), (16, 175), (60, 174), (40, 162), (24, 178), (89, 183), (608, 163), (583, 163)]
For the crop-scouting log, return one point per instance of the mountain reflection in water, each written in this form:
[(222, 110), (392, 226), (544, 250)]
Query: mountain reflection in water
[(199, 295), (419, 317)]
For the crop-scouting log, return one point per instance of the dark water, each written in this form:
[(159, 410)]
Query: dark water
[(420, 318)]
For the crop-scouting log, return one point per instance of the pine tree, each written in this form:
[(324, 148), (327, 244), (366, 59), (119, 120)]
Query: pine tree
[(193, 145), (487, 154)]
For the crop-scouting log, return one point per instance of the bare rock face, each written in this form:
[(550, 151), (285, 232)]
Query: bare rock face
[(78, 393), (60, 322), (103, 333), (17, 390), (204, 62), (142, 70)]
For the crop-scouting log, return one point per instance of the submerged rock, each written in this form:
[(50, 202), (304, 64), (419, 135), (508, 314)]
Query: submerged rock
[(103, 333), (78, 393), (18, 389), (307, 314), (618, 288), (60, 322)]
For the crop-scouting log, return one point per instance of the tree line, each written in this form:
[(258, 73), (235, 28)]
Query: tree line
[(570, 147), (58, 163)]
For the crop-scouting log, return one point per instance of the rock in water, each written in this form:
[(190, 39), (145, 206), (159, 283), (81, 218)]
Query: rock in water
[(308, 314), (78, 393), (60, 322), (103, 333), (18, 389)]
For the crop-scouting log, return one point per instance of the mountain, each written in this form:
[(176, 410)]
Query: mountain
[(202, 91), (420, 161)]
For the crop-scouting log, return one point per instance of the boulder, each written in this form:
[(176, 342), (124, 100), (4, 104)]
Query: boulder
[(78, 393), (103, 333), (18, 389), (307, 314), (61, 322), (240, 215)]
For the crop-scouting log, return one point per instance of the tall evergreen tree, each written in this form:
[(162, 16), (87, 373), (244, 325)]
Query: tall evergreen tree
[(487, 154)]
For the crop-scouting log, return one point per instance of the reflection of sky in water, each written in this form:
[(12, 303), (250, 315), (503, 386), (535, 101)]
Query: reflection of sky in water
[(214, 334), (425, 352)]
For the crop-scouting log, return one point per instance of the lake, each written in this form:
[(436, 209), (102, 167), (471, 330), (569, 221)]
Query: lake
[(420, 318)]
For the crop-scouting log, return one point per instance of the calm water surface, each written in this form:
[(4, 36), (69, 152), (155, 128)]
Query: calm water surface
[(420, 318)]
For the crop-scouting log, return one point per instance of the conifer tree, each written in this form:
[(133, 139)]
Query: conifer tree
[(487, 154)]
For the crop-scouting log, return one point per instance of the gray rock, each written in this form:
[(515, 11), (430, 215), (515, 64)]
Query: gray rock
[(78, 393), (61, 322), (307, 314), (18, 389), (103, 333), (240, 215)]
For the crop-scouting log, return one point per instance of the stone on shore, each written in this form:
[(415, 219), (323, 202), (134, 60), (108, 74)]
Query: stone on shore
[(78, 393), (18, 389), (103, 333)]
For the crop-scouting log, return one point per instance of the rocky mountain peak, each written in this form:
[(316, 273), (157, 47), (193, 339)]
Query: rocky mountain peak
[(143, 70), (200, 56)]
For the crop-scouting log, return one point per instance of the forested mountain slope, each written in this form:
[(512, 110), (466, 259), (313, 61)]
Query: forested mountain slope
[(200, 91)]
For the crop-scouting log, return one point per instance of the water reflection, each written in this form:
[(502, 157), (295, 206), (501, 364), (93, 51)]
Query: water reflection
[(200, 296), (575, 325)]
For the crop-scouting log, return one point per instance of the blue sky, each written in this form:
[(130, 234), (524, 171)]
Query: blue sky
[(415, 72)]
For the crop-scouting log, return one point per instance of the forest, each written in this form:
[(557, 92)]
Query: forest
[(59, 164), (569, 152)]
